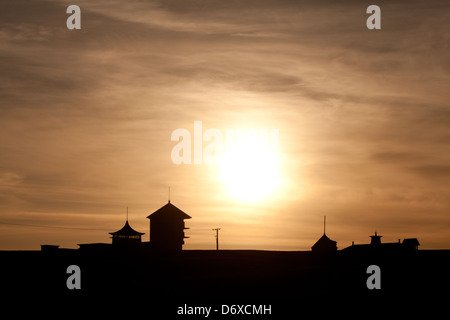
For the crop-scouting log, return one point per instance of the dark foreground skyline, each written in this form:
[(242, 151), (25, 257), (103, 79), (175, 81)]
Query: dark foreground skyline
[(171, 281), (159, 284)]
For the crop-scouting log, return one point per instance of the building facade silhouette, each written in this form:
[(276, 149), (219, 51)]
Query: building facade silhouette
[(167, 228), (375, 245)]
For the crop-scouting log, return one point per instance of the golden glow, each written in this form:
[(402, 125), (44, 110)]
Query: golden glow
[(249, 168)]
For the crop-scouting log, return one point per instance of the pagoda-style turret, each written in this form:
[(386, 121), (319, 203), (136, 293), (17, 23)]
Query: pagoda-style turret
[(126, 236)]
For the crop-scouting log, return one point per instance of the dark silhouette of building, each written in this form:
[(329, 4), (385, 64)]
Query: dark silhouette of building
[(377, 246), (126, 237), (324, 244), (96, 248), (167, 228), (375, 239), (166, 234), (411, 243)]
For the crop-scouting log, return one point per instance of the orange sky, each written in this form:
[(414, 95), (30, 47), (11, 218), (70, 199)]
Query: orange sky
[(86, 118)]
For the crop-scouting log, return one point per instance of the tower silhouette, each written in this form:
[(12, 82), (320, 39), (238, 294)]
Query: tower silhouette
[(167, 228)]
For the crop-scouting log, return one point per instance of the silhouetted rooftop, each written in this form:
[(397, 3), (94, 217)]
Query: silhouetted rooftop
[(169, 210), (324, 243), (126, 231), (411, 242), (377, 245)]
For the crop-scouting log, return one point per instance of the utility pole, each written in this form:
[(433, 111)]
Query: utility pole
[(217, 238)]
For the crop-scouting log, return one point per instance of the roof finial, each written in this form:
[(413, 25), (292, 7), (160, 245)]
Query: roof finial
[(127, 213), (169, 194), (324, 223)]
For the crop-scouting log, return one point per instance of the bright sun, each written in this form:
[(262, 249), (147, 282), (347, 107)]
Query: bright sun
[(250, 168)]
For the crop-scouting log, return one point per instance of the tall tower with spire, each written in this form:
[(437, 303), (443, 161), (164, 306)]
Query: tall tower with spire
[(167, 228)]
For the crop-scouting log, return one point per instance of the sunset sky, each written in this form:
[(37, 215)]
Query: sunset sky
[(86, 118)]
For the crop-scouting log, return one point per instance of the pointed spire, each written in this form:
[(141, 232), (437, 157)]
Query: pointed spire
[(127, 213), (324, 223), (169, 194)]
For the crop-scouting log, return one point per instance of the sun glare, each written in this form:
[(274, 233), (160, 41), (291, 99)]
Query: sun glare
[(249, 168)]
